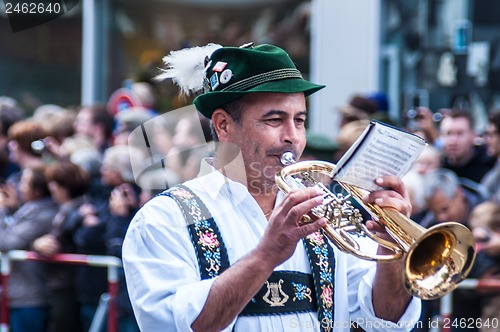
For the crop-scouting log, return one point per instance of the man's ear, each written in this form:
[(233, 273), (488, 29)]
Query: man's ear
[(221, 122)]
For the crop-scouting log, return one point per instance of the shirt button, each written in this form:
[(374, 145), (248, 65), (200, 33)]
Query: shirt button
[(254, 214)]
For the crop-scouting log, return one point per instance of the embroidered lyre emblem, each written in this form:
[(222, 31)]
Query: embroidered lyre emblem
[(277, 298)]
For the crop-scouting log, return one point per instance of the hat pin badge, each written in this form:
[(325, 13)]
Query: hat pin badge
[(226, 76)]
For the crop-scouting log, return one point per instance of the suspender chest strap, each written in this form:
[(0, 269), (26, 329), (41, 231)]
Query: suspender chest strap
[(322, 261), (205, 235), (284, 291)]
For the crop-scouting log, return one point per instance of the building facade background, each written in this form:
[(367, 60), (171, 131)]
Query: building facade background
[(437, 53)]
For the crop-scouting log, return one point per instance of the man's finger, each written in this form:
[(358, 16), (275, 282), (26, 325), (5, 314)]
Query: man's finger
[(393, 183), (312, 227), (295, 197)]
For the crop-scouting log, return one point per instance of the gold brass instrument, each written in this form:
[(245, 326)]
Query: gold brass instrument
[(436, 259)]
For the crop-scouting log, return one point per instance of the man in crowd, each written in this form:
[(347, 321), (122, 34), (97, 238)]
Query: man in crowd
[(492, 140), (448, 200), (227, 250), (460, 152)]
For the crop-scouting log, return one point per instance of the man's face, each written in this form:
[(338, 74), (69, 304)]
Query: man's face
[(271, 124), (427, 163), (83, 124), (492, 140), (448, 209), (458, 138), (110, 175)]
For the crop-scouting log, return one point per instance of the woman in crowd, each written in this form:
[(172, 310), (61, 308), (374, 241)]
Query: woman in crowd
[(27, 291), (68, 184)]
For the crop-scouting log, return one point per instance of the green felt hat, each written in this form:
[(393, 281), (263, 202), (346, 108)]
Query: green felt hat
[(232, 72)]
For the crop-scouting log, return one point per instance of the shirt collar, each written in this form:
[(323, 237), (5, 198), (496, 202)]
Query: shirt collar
[(215, 183)]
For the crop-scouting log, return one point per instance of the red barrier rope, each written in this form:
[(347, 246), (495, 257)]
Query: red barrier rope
[(481, 284), (4, 301), (110, 262), (446, 305)]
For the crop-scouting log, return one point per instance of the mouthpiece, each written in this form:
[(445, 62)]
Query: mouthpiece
[(287, 158)]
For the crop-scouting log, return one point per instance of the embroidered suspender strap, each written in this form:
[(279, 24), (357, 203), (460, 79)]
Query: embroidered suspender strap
[(274, 296), (322, 260), (205, 235), (284, 292)]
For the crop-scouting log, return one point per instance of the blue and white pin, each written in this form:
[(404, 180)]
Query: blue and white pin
[(214, 81), (226, 76)]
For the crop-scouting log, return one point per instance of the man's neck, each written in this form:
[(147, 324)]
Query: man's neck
[(462, 160), (263, 190), (232, 168)]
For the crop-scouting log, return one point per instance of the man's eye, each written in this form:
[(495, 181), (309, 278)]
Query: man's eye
[(300, 120), (274, 120)]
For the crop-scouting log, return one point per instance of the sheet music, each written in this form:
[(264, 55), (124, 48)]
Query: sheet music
[(380, 150)]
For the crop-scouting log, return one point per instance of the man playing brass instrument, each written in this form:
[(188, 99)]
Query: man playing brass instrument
[(227, 250)]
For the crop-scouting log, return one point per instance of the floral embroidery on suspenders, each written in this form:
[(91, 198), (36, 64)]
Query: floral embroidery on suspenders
[(213, 258), (322, 260), (302, 292), (211, 253)]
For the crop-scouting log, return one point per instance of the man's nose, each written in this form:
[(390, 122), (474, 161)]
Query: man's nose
[(290, 133)]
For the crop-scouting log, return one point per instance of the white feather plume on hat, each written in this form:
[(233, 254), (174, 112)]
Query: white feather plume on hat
[(186, 67)]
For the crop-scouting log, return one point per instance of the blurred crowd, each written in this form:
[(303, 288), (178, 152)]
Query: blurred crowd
[(68, 185), (456, 178), (72, 179)]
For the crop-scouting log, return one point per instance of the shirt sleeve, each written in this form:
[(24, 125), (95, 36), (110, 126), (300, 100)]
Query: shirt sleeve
[(362, 306), (161, 269)]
